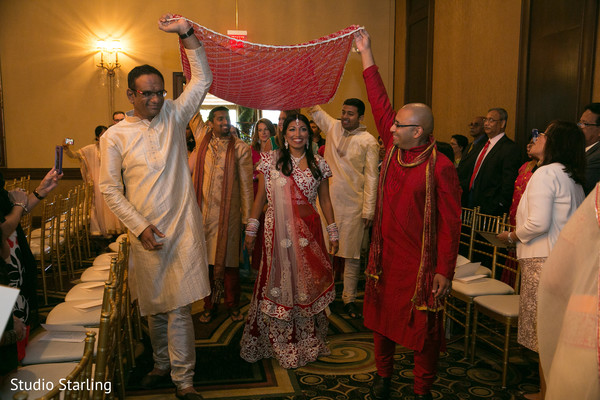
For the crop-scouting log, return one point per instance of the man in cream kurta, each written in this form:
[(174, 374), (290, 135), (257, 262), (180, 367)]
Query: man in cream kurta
[(146, 155), (353, 156), (225, 207)]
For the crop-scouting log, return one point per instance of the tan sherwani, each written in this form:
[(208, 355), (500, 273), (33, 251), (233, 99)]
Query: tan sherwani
[(152, 157), (242, 193), (353, 158)]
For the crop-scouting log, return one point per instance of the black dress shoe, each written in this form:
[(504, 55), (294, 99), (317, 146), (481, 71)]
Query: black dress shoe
[(427, 396), (381, 388), (153, 381)]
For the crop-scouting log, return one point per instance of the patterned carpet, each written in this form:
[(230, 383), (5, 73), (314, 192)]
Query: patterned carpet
[(346, 374)]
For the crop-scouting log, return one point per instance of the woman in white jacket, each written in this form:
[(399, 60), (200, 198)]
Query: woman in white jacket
[(551, 197)]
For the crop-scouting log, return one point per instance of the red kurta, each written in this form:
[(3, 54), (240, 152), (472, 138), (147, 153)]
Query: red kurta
[(389, 311)]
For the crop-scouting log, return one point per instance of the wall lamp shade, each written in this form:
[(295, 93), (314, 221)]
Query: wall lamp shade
[(109, 55)]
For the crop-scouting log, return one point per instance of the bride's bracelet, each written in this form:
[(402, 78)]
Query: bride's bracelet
[(332, 231), (252, 227)]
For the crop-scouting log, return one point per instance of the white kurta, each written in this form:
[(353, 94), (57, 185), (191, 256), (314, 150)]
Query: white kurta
[(353, 158), (152, 157)]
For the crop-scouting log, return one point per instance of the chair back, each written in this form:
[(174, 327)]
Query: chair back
[(26, 226), (46, 240), (109, 359), (485, 228), (467, 217), (506, 259)]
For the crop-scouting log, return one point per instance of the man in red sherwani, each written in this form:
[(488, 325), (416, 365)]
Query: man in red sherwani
[(415, 237)]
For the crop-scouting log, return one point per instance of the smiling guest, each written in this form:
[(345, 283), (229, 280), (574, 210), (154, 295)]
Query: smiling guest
[(222, 179), (287, 319), (145, 154), (415, 237), (352, 155)]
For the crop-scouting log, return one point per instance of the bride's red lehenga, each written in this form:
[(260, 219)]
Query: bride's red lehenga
[(287, 318)]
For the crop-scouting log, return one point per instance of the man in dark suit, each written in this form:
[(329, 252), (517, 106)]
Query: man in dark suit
[(467, 163), (589, 123), (493, 177)]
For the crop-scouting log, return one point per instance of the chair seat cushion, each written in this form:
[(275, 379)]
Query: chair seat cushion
[(507, 306), (104, 258), (40, 351), (47, 374), (85, 291), (95, 275), (69, 314), (482, 287), (35, 247), (114, 246), (483, 271)]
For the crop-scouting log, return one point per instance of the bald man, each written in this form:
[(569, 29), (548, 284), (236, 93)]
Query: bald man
[(415, 237)]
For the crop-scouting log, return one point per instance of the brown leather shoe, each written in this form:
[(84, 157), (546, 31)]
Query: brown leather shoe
[(154, 379)]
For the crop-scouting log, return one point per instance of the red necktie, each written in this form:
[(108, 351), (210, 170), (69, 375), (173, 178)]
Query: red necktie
[(478, 164)]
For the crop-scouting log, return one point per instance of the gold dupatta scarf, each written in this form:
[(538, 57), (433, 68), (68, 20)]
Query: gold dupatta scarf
[(224, 209)]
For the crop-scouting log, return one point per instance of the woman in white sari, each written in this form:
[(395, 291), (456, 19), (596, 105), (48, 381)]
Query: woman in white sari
[(568, 307), (287, 318), (102, 222)]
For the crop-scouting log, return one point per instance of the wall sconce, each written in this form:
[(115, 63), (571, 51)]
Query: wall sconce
[(107, 48)]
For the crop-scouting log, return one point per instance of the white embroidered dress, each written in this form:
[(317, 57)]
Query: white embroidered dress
[(287, 320)]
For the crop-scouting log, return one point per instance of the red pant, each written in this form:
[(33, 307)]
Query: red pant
[(425, 360), (232, 288)]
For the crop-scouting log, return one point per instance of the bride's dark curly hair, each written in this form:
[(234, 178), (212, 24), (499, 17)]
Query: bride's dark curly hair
[(284, 163)]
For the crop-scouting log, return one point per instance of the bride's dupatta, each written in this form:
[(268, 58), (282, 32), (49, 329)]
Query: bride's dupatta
[(300, 278)]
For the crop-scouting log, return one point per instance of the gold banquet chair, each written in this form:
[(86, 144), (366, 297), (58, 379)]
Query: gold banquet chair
[(42, 349), (109, 360), (59, 380), (42, 246), (459, 307), (501, 309), (467, 218)]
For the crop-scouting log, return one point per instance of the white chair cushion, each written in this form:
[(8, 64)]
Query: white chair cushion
[(85, 291), (121, 237), (507, 306), (104, 258), (46, 374), (36, 233), (114, 246), (482, 287), (39, 351), (35, 248), (460, 260), (95, 275), (69, 314)]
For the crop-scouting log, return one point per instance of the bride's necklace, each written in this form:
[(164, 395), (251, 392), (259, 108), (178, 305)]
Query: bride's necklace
[(296, 161)]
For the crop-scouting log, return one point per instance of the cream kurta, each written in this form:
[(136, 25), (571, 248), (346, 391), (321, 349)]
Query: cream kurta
[(353, 158), (242, 194), (103, 221), (152, 157)]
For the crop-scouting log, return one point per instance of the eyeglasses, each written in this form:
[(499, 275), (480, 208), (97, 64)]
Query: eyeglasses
[(536, 135), (490, 120), (148, 94), (398, 126), (582, 124)]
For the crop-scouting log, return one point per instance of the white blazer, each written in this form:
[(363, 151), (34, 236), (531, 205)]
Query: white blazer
[(549, 200)]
